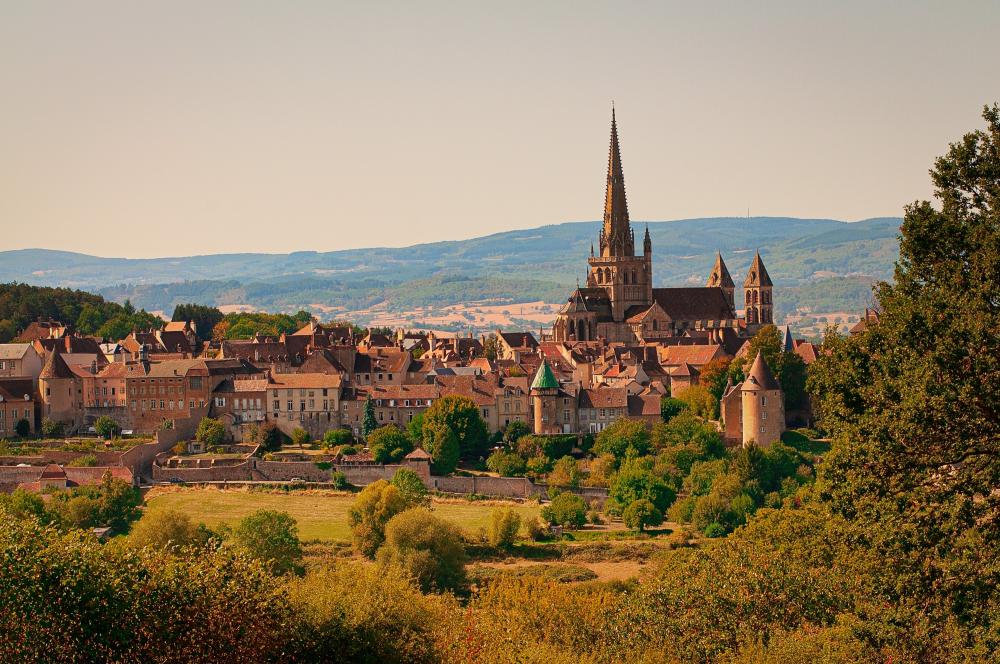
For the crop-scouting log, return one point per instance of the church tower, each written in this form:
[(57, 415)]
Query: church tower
[(627, 278), (720, 278), (758, 303)]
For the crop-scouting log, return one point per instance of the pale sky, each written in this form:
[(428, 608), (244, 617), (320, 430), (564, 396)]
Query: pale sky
[(175, 128)]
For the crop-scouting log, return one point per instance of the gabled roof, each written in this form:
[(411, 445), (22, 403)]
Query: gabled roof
[(757, 274), (604, 397), (55, 366), (544, 378), (13, 351), (760, 377), (693, 303), (720, 277)]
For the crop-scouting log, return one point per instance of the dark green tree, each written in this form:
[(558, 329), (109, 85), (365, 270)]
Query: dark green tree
[(368, 421), (461, 415), (271, 537)]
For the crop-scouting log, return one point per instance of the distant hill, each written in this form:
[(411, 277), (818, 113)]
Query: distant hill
[(515, 266)]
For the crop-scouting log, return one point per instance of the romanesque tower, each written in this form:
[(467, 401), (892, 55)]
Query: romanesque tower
[(720, 278), (545, 400), (627, 278), (763, 405), (757, 291)]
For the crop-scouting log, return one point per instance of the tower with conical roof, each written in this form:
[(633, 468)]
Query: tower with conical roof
[(720, 278), (545, 400), (758, 301), (627, 278), (763, 405)]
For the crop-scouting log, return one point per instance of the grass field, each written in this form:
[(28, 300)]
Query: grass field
[(320, 515)]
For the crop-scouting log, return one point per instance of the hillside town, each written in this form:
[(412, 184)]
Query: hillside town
[(618, 348)]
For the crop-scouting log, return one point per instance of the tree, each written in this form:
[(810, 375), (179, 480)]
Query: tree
[(504, 526), (911, 403), (641, 513), (411, 487), (22, 428), (415, 429), (491, 348), (368, 421), (427, 547), (714, 376), (566, 509), (205, 318), (787, 366), (269, 437), (210, 432), (271, 537), (699, 401), (300, 437), (337, 437), (636, 481), (442, 444), (375, 505), (52, 429), (669, 407), (621, 436), (389, 444), (106, 427), (565, 472), (515, 431), (461, 415), (506, 464), (168, 529)]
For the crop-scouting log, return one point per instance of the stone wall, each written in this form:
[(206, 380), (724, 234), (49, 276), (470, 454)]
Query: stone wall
[(283, 471), (239, 472), (62, 457)]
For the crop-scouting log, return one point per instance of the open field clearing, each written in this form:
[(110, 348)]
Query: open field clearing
[(321, 515)]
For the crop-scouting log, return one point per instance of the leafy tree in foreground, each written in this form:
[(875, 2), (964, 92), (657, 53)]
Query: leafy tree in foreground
[(641, 513), (211, 432), (375, 505), (163, 529), (669, 407), (22, 428), (566, 509), (623, 435), (460, 415), (271, 537), (410, 487), (427, 547), (504, 526), (506, 464)]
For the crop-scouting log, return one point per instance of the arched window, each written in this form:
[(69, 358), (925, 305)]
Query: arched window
[(600, 276), (749, 297), (633, 277), (625, 276), (607, 275)]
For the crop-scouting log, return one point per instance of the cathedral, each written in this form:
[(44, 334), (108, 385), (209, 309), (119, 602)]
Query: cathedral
[(619, 303)]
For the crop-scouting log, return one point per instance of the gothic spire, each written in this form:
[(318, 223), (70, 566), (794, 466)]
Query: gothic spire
[(757, 275), (616, 237), (720, 276)]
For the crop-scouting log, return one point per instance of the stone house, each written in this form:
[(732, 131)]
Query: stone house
[(18, 360)]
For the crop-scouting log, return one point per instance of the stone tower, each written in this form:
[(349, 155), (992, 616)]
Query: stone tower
[(763, 406), (545, 400), (720, 278), (627, 278), (758, 291)]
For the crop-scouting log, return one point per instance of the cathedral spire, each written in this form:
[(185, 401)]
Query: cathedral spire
[(757, 274), (616, 236), (720, 276)]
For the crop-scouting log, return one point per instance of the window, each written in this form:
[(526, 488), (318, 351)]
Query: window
[(604, 412), (290, 406), (406, 402), (763, 414), (277, 405), (390, 376), (566, 415), (763, 400), (220, 401), (191, 403), (486, 412), (161, 404)]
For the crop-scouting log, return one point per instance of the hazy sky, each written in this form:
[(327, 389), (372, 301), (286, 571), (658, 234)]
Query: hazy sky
[(174, 128)]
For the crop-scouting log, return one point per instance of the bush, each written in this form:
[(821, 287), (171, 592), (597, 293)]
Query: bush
[(375, 505), (167, 529), (682, 510), (52, 429), (641, 513), (271, 537), (700, 401), (388, 444), (85, 461), (565, 473), (22, 428), (429, 548), (534, 529), (514, 431), (715, 529), (504, 526), (337, 437), (106, 427), (269, 437), (566, 509), (211, 432), (506, 464), (338, 479)]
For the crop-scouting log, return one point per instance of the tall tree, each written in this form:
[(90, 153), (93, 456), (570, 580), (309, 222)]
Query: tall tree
[(913, 404)]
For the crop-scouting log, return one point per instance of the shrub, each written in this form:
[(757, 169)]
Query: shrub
[(211, 432), (715, 529), (514, 431), (52, 429), (338, 479), (271, 537), (22, 428), (506, 464), (336, 437), (566, 509), (641, 513), (709, 509), (429, 548), (388, 444), (179, 448), (504, 526), (375, 505), (700, 401), (682, 510), (269, 437), (534, 529), (347, 449), (164, 529), (565, 473), (87, 460)]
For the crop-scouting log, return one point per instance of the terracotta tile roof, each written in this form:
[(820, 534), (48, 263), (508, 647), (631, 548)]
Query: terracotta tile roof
[(418, 453), (684, 370), (644, 405), (604, 397), (704, 303), (806, 350), (698, 356), (56, 367), (760, 376), (313, 380), (399, 392), (478, 388), (53, 472)]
